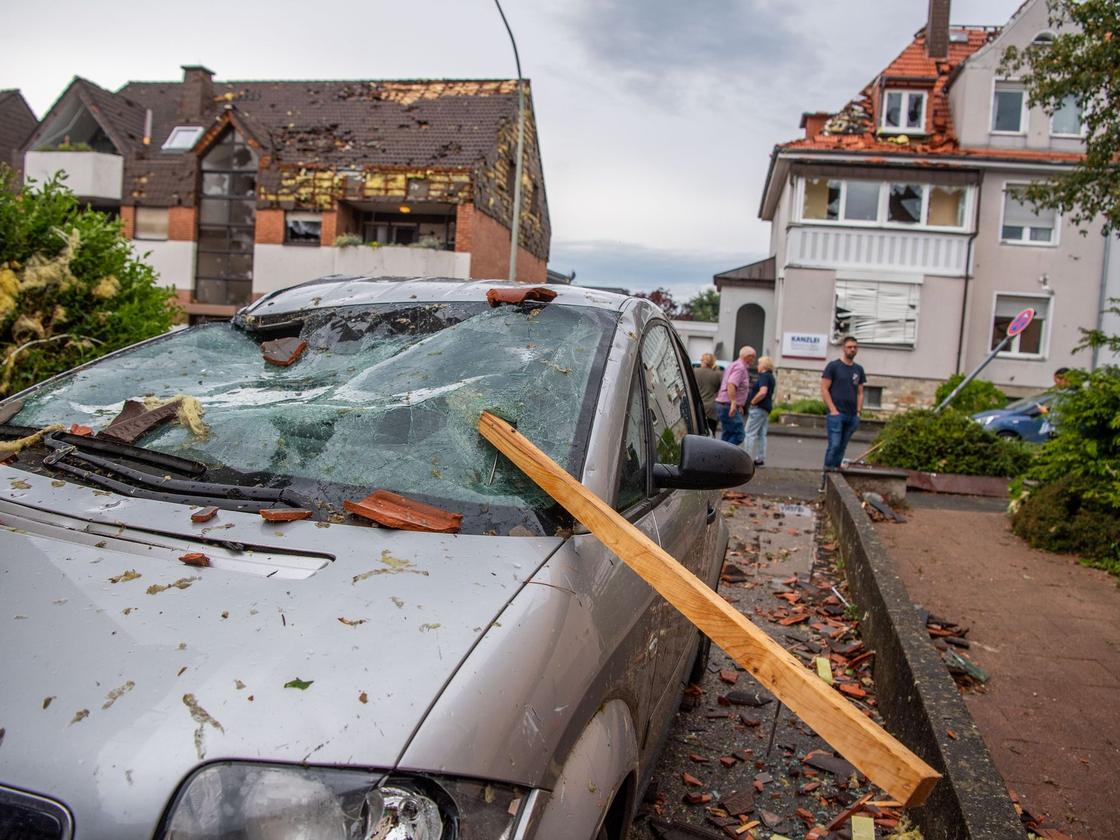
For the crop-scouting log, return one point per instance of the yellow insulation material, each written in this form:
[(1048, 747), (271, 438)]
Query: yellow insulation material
[(23, 442), (189, 415)]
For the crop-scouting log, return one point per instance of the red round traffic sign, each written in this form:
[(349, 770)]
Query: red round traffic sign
[(1021, 322)]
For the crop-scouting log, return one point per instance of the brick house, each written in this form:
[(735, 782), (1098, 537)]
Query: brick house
[(17, 121), (239, 188), (892, 220)]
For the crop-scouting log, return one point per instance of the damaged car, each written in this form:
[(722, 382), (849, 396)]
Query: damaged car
[(264, 579)]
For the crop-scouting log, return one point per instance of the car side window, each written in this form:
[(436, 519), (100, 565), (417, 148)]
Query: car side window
[(633, 467), (667, 394)]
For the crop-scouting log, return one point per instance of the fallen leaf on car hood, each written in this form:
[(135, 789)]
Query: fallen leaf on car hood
[(302, 685)]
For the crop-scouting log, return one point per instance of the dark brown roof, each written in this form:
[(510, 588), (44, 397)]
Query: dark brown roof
[(332, 123), (17, 121)]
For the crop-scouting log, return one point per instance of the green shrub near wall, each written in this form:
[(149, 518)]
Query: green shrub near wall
[(978, 395), (948, 442)]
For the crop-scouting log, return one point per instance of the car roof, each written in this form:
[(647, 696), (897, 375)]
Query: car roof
[(350, 290)]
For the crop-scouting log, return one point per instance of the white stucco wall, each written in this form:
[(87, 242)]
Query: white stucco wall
[(698, 337), (173, 261), (280, 266), (1073, 268), (89, 174)]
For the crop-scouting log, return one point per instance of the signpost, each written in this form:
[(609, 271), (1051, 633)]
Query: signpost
[(1017, 325)]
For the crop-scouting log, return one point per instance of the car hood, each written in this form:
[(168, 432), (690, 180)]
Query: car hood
[(125, 668), (984, 415)]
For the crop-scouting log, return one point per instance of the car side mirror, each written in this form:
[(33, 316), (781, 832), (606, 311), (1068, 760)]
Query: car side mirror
[(706, 464)]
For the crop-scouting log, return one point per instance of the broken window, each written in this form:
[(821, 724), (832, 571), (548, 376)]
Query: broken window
[(151, 223), (946, 207), (1031, 340), (904, 110), (877, 312), (904, 203), (822, 199), (301, 227), (417, 189), (227, 216), (386, 396), (1022, 223), (1007, 107)]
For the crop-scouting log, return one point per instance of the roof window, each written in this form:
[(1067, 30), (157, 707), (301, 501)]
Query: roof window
[(182, 138), (904, 110), (958, 36)]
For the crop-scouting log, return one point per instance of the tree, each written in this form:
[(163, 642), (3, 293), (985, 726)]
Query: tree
[(663, 298), (71, 287), (703, 306), (1081, 63)]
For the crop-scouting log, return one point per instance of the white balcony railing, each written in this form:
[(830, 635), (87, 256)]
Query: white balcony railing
[(923, 252), (94, 176)]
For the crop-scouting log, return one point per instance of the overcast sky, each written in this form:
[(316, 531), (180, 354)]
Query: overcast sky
[(656, 117)]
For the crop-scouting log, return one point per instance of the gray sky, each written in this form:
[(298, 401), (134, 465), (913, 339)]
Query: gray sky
[(656, 117)]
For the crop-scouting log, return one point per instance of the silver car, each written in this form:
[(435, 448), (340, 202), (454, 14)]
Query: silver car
[(176, 665)]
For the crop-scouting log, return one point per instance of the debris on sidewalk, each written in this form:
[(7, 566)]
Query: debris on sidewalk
[(947, 635), (878, 509)]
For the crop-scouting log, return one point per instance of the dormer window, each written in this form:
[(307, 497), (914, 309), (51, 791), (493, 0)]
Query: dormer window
[(182, 138), (904, 111)]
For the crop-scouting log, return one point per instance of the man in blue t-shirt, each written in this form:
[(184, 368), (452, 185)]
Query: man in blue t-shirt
[(842, 392)]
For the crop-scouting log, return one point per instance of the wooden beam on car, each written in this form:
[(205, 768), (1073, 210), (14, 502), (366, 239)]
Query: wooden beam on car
[(882, 758)]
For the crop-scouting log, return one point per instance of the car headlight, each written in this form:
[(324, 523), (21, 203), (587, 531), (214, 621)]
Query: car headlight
[(242, 801)]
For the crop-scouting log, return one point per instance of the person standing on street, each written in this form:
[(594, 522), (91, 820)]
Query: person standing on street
[(733, 392), (842, 391), (709, 380), (758, 417)]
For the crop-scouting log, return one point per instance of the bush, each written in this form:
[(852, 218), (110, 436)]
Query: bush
[(948, 442), (1061, 516), (347, 240), (798, 407), (977, 395), (71, 287)]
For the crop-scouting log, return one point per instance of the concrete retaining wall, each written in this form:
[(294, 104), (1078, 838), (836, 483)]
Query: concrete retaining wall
[(918, 699)]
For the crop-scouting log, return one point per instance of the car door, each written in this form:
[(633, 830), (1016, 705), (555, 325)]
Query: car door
[(681, 517)]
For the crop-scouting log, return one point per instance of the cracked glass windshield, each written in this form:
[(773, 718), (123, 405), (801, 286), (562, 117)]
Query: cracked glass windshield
[(385, 396)]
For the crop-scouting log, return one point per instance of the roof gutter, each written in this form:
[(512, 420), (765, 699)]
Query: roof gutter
[(888, 158), (968, 272), (774, 155), (1102, 301)]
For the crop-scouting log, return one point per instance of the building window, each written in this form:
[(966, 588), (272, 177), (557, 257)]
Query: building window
[(904, 110), (861, 201), (1066, 121), (151, 223), (1032, 340), (1021, 224), (877, 312), (822, 200), (872, 396), (302, 228), (946, 207), (182, 138), (904, 205), (227, 216), (1007, 108)]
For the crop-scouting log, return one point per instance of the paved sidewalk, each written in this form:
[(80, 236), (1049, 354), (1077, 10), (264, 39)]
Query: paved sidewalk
[(1048, 632)]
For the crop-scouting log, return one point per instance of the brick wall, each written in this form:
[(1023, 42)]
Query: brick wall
[(182, 224), (128, 219), (487, 241), (329, 227), (270, 227)]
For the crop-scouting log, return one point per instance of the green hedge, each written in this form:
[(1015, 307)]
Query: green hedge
[(798, 407), (948, 442), (978, 395)]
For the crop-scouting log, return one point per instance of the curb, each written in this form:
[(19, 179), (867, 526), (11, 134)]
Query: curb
[(918, 699), (814, 432)]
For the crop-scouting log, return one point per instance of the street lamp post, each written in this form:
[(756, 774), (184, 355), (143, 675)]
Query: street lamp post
[(515, 232)]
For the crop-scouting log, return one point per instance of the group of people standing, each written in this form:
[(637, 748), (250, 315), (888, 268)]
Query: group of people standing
[(738, 404)]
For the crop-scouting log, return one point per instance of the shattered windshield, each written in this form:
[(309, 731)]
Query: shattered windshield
[(386, 396)]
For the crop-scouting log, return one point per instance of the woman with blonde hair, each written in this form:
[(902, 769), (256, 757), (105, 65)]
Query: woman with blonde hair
[(761, 401)]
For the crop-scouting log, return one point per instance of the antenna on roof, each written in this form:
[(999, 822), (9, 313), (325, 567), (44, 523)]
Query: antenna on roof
[(148, 127)]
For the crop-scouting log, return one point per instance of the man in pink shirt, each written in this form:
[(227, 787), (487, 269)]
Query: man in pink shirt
[(732, 396)]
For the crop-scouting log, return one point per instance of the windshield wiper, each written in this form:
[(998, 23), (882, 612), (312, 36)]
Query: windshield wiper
[(163, 488), (113, 447)]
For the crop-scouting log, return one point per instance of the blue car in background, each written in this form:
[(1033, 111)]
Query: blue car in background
[(1025, 419)]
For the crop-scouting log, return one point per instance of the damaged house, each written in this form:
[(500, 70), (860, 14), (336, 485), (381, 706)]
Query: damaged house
[(895, 220), (236, 189)]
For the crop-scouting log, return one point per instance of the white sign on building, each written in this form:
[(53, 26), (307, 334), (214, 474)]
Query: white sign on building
[(804, 345)]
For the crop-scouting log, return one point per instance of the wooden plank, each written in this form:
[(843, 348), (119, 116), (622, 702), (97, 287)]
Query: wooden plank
[(883, 759)]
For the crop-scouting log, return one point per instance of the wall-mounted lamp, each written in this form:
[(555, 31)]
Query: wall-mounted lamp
[(404, 208)]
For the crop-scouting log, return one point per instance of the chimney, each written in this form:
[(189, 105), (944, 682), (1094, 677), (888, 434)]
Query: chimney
[(196, 99), (937, 30), (813, 123)]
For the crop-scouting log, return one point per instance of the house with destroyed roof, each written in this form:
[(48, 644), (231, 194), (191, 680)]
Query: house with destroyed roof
[(17, 121), (895, 220), (235, 189)]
